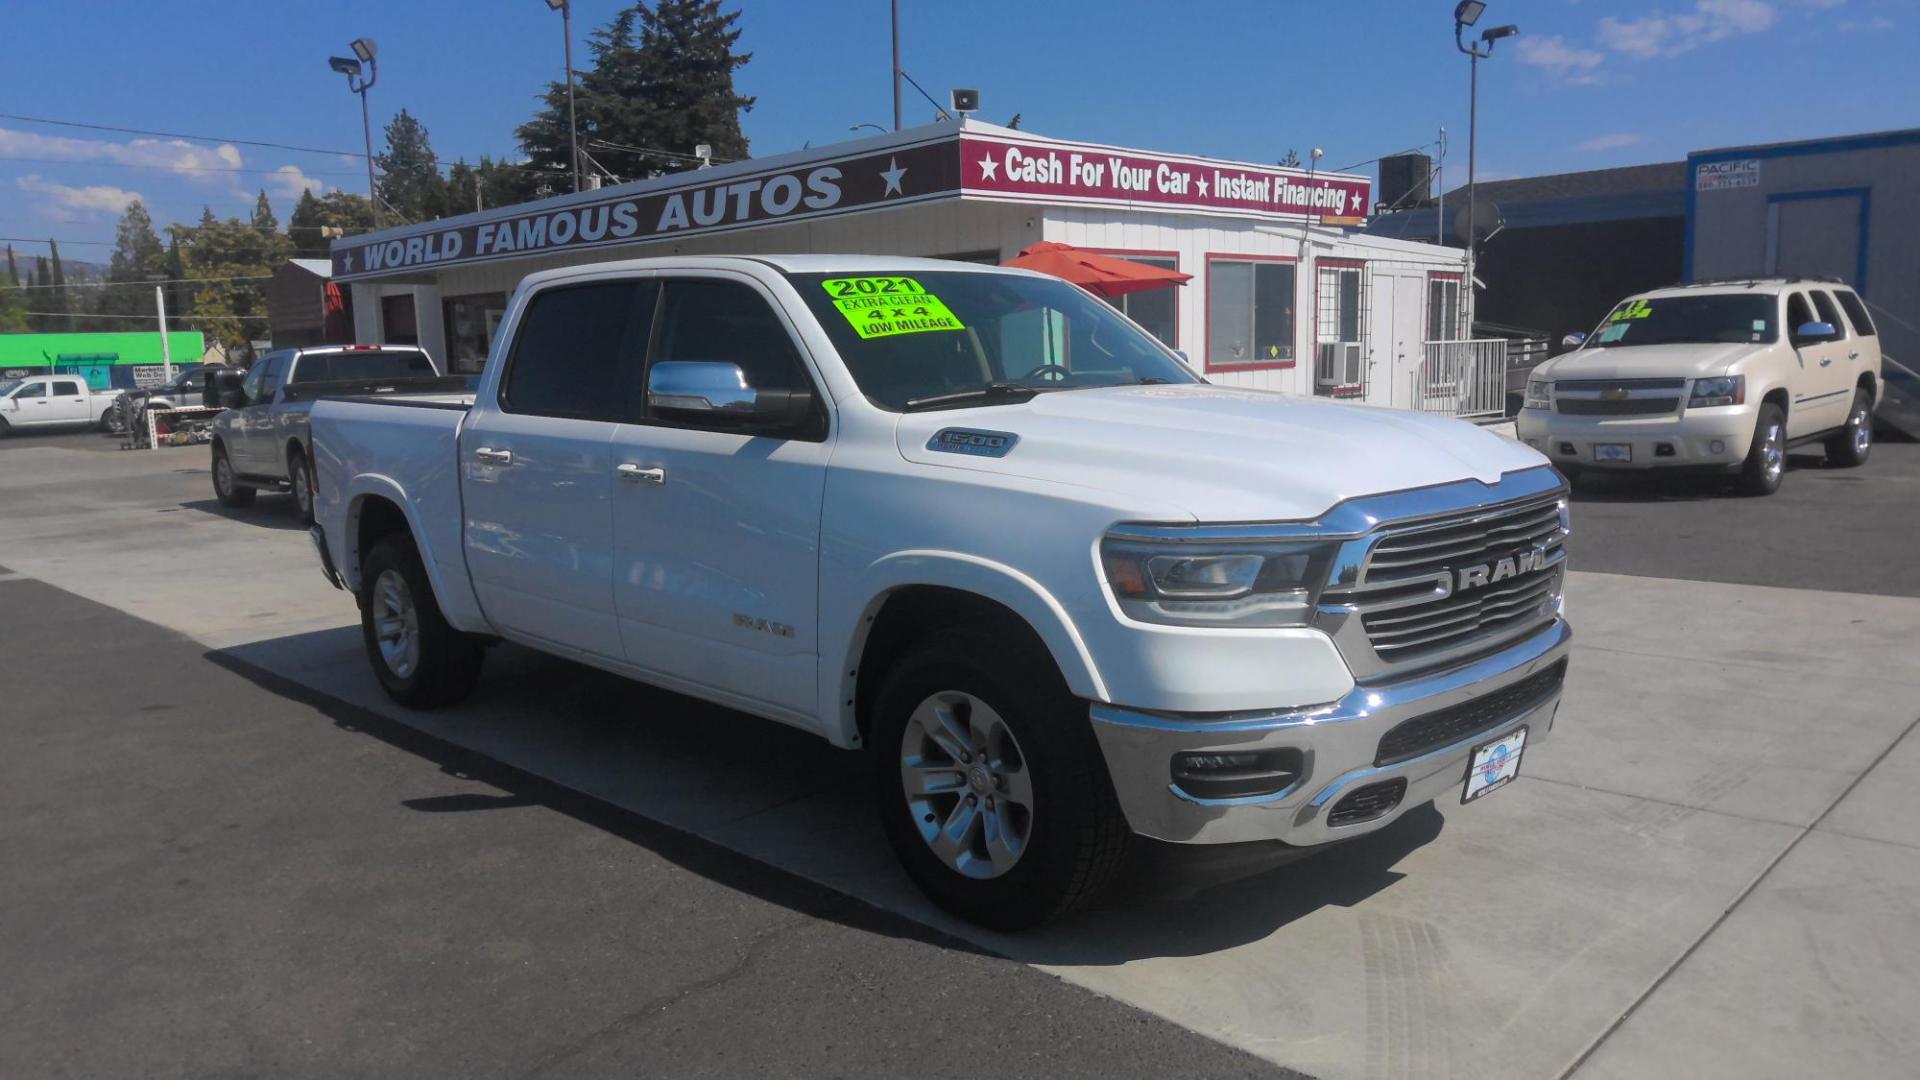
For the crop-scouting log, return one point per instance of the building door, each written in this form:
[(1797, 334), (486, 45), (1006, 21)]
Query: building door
[(1816, 234), (1395, 349)]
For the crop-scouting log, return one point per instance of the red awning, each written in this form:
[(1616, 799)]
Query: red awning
[(1102, 275)]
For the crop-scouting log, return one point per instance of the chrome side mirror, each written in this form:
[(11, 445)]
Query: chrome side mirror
[(1816, 331), (719, 393), (1575, 339)]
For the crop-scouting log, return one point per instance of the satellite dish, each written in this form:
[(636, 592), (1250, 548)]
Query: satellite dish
[(1487, 220)]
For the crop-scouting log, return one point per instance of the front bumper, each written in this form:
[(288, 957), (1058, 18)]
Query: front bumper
[(1339, 742), (1717, 436)]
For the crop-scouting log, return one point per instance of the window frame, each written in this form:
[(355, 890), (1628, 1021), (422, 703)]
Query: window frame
[(1829, 311), (42, 388), (1207, 364), (816, 427), (1859, 319), (54, 391), (1445, 277), (1789, 326), (624, 409), (1141, 255)]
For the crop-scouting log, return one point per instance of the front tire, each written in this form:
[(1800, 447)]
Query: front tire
[(1848, 448), (989, 782), (229, 491), (420, 660), (1766, 462)]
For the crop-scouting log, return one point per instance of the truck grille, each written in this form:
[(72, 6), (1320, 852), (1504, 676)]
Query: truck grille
[(1444, 727), (1617, 397), (1413, 602), (1642, 406)]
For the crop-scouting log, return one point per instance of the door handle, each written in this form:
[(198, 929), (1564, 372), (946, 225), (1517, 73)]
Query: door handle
[(1826, 361), (1853, 356), (634, 474), (489, 456)]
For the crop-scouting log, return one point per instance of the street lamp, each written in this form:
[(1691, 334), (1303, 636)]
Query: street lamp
[(875, 127), (565, 8), (1464, 15), (360, 83)]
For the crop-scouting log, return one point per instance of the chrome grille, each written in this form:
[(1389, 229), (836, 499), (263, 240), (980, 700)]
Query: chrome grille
[(1646, 406), (1408, 600)]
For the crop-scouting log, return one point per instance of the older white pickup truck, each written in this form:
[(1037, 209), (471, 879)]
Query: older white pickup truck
[(977, 523), (50, 401)]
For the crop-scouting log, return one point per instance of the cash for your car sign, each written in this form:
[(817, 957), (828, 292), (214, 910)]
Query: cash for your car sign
[(1055, 171)]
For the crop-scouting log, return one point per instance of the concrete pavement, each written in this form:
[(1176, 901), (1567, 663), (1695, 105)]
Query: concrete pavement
[(1684, 881)]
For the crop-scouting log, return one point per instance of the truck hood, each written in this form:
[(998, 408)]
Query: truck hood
[(1647, 361), (1224, 454)]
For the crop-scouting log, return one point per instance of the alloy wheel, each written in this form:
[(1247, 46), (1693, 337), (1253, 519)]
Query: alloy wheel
[(967, 784), (223, 475), (1862, 429), (396, 623), (1773, 452), (302, 489)]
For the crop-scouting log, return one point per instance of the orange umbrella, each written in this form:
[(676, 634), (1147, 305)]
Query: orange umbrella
[(1102, 275)]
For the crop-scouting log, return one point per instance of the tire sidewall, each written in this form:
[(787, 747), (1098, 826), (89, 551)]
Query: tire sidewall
[(300, 477), (1753, 475), (1843, 452), (388, 555)]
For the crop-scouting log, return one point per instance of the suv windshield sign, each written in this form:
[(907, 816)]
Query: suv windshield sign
[(1694, 319), (883, 306)]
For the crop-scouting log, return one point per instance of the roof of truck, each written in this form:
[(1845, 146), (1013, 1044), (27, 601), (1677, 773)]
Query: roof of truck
[(792, 264)]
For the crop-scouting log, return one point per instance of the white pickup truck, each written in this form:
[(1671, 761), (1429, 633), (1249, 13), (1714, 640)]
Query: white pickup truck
[(975, 522), (50, 401)]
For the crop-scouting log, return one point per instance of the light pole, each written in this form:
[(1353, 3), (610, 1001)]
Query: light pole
[(565, 8), (1464, 15), (358, 83), (875, 127)]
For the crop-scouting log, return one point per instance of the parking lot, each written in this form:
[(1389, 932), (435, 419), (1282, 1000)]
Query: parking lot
[(231, 854)]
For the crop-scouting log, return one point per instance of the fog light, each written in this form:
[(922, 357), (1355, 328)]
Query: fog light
[(1718, 446), (1237, 774)]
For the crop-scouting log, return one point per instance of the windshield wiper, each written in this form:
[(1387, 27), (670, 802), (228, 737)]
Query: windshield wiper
[(995, 393)]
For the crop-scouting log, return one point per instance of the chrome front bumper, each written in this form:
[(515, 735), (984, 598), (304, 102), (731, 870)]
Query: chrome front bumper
[(1339, 742)]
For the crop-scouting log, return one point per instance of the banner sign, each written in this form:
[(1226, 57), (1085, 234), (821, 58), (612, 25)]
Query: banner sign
[(1050, 172), (743, 199), (1721, 175)]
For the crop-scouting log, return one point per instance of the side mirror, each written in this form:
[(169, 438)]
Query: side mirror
[(1575, 339), (223, 389), (719, 393), (1816, 331)]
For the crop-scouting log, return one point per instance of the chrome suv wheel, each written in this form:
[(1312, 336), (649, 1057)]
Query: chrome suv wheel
[(966, 784), (396, 623)]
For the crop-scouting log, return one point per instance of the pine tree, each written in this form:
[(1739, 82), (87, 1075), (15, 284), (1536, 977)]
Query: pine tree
[(263, 218), (662, 78), (410, 183), (58, 301), (13, 271), (226, 262), (13, 307), (138, 257), (349, 213)]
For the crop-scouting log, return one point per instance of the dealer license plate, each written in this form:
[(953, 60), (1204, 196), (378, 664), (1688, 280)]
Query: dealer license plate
[(1494, 764), (1613, 451)]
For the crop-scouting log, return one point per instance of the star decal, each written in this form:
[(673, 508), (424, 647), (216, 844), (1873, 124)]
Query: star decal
[(892, 174), (1203, 186), (987, 167), (349, 260)]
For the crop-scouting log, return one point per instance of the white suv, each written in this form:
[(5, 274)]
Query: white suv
[(1724, 374)]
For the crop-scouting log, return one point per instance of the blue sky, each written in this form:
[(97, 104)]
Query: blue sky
[(1586, 84)]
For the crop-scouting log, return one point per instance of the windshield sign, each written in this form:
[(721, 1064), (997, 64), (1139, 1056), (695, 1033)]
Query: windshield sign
[(947, 336), (1726, 319)]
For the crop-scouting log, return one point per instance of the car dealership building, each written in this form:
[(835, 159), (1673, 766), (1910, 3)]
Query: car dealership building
[(1283, 296)]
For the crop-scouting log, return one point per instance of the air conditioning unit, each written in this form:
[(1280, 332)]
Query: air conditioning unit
[(1339, 364)]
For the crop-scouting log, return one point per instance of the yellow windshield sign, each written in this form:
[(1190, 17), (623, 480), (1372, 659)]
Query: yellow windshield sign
[(1639, 309), (885, 306)]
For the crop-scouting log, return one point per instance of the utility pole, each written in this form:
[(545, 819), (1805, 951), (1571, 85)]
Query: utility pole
[(166, 349), (896, 65)]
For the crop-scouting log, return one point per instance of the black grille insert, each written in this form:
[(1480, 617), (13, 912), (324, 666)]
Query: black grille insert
[(1645, 406), (1447, 726), (1367, 803)]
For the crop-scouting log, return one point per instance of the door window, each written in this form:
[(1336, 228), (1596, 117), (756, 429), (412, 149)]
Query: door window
[(1799, 313), (1829, 311), (726, 322), (577, 349), (1443, 309), (273, 373), (31, 390), (66, 389), (1856, 314)]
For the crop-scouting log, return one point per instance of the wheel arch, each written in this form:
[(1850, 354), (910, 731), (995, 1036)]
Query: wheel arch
[(1871, 385)]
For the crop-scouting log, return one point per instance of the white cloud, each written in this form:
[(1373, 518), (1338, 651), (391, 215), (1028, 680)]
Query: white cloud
[(1570, 63), (1660, 34), (287, 182), (1878, 22), (1615, 141), (99, 198), (180, 157)]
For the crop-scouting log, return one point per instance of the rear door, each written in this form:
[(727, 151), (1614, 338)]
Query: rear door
[(536, 465), (67, 401), (1820, 397)]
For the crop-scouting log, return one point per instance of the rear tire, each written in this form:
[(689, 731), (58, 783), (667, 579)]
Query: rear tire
[(225, 488), (1848, 448), (1766, 463), (420, 660), (1008, 838), (300, 479)]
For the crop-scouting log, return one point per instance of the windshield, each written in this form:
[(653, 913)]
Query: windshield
[(362, 364), (1689, 320), (8, 386), (908, 338)]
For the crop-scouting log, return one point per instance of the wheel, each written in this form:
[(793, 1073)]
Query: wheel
[(5, 429), (1767, 458), (989, 783), (224, 488), (300, 474), (1848, 448), (422, 662)]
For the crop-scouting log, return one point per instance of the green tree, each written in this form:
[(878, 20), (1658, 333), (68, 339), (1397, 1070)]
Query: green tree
[(263, 218), (57, 298), (662, 79), (138, 257), (410, 183), (226, 263), (315, 216), (13, 271), (13, 305)]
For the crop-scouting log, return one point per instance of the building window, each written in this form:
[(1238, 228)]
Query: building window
[(471, 322), (1156, 310), (1340, 329), (1443, 308), (397, 325), (1249, 313)]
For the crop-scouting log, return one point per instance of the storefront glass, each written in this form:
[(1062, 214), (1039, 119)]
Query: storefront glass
[(470, 324)]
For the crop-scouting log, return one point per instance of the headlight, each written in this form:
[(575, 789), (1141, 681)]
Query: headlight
[(1725, 390), (1228, 584), (1538, 391)]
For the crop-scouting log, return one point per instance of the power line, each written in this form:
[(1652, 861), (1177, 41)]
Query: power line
[(177, 135), (82, 316), (145, 284), (168, 168), (54, 240)]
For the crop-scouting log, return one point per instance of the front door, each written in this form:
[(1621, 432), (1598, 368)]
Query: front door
[(717, 530), (1395, 345), (252, 426), (536, 467), (31, 406)]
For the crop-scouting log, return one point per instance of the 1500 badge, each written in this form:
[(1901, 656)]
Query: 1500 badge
[(973, 442)]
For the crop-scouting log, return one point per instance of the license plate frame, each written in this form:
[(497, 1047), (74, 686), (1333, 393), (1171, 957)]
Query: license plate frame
[(1613, 453), (1498, 770)]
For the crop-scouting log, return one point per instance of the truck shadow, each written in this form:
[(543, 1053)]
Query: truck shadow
[(1673, 486), (776, 812), (273, 511)]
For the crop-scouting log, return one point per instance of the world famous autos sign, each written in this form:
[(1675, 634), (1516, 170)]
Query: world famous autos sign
[(967, 163)]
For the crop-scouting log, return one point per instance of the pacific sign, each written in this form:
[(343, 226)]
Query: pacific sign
[(686, 209), (1102, 175)]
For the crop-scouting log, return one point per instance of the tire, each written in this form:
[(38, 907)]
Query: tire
[(1766, 462), (6, 429), (1848, 448), (421, 662), (1002, 692), (225, 488), (300, 480)]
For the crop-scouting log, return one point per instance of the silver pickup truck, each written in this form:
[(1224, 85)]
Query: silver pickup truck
[(261, 440)]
